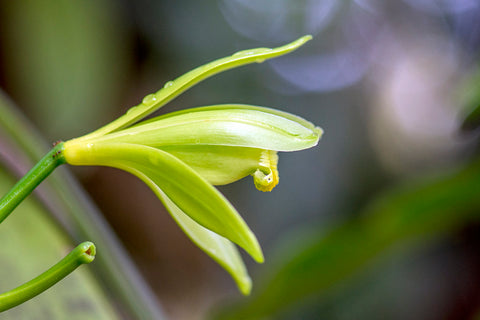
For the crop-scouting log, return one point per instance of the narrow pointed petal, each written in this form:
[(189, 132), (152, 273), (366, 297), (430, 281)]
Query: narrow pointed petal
[(173, 88), (185, 188), (220, 249), (227, 125), (217, 247)]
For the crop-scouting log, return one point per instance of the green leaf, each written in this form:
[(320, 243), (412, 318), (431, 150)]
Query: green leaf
[(226, 125), (188, 190), (469, 100), (172, 89), (410, 216), (472, 118)]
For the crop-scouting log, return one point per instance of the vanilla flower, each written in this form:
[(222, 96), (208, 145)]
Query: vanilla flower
[(181, 155)]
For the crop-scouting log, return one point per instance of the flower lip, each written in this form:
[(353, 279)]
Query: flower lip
[(266, 176)]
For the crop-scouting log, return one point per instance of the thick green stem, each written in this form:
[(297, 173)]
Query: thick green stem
[(82, 254), (31, 180)]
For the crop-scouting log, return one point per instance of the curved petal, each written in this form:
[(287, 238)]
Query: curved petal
[(219, 165), (227, 125), (185, 188), (224, 164), (217, 247), (172, 89)]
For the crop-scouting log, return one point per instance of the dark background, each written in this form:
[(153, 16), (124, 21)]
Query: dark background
[(390, 82)]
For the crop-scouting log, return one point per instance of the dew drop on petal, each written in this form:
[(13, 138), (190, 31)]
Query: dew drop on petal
[(241, 53), (131, 110), (168, 84), (150, 99), (262, 50), (251, 52)]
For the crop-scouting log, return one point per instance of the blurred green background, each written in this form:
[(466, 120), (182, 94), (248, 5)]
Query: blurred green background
[(380, 221)]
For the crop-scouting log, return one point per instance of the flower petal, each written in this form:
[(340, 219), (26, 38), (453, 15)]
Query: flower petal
[(217, 247), (172, 89), (185, 188), (224, 164), (218, 164), (226, 125)]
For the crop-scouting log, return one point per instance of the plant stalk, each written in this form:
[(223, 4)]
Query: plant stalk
[(31, 180), (82, 254)]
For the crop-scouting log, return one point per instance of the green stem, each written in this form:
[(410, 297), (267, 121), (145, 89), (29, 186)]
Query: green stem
[(82, 254), (31, 180)]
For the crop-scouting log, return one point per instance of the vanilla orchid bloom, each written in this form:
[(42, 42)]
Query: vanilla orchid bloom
[(181, 155)]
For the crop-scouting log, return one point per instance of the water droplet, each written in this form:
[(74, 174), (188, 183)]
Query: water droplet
[(131, 110), (259, 60), (168, 84), (262, 50), (150, 99), (252, 52), (242, 53)]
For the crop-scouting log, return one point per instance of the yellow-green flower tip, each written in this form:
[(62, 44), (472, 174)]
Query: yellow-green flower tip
[(266, 177), (245, 285)]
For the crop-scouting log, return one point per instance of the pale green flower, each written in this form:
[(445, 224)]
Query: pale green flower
[(181, 156)]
